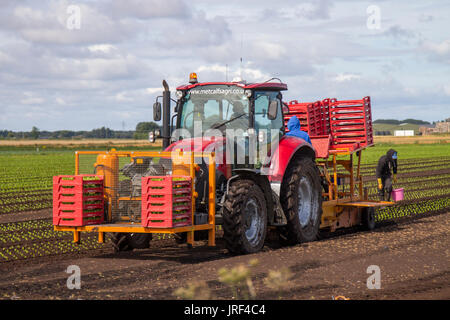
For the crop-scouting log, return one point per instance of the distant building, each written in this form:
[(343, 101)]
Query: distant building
[(404, 133), (439, 127)]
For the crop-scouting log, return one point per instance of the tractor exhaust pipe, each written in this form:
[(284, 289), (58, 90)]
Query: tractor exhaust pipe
[(166, 115)]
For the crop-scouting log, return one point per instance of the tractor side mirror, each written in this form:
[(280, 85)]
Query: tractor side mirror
[(273, 110), (157, 111)]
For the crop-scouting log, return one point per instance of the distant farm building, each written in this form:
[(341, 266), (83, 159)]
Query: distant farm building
[(439, 127), (404, 133)]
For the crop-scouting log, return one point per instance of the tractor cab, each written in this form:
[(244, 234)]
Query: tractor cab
[(245, 117)]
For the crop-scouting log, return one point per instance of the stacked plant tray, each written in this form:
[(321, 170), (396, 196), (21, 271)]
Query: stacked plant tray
[(78, 200), (166, 201)]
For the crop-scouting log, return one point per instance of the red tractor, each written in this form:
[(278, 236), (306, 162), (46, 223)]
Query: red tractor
[(257, 177)]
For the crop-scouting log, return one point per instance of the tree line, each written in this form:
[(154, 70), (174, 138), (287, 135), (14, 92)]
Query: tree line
[(141, 132), (397, 122)]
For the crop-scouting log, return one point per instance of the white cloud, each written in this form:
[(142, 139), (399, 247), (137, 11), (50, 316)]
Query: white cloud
[(105, 48), (30, 99), (48, 24), (346, 77), (437, 51), (148, 9)]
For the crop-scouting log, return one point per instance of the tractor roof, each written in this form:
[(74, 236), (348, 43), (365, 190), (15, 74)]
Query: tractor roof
[(262, 86)]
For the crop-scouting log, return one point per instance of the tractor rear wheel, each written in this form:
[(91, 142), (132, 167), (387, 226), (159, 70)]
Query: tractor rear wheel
[(368, 218), (244, 217), (301, 200)]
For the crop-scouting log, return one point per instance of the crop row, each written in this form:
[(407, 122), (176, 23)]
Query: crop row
[(415, 208)]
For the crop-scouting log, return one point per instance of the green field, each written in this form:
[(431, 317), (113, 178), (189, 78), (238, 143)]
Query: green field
[(26, 174), (406, 151)]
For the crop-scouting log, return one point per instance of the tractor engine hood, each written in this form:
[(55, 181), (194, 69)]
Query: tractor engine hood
[(200, 144)]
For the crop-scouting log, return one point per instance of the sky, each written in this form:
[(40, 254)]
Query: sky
[(79, 65)]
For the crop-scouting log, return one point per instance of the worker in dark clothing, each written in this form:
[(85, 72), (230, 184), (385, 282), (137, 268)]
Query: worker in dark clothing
[(385, 164), (294, 129)]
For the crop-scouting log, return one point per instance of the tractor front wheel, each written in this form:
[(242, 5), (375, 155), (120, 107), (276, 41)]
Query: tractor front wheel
[(301, 200), (244, 217)]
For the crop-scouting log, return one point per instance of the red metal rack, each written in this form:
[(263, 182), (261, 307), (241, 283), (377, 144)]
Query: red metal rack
[(305, 114), (348, 123), (351, 123)]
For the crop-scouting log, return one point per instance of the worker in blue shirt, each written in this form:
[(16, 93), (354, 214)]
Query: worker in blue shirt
[(294, 130)]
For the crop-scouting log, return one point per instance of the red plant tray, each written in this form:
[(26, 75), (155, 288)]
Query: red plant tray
[(77, 201), (166, 201)]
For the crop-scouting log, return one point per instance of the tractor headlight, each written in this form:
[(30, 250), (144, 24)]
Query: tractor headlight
[(157, 133), (248, 93)]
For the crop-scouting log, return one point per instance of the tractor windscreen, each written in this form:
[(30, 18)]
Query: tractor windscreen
[(214, 107)]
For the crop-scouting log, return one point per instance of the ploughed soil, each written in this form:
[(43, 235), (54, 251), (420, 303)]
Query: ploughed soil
[(413, 257)]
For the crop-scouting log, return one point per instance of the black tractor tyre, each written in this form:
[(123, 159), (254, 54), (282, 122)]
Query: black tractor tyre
[(244, 217), (120, 242), (301, 200), (140, 240), (368, 218)]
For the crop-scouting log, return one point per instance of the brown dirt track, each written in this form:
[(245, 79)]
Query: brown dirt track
[(413, 256)]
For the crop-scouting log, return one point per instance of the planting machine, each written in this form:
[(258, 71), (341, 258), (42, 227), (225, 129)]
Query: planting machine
[(227, 161)]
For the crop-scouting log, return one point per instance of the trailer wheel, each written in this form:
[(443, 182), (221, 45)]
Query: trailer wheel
[(120, 242), (244, 217), (368, 218), (140, 240), (301, 200)]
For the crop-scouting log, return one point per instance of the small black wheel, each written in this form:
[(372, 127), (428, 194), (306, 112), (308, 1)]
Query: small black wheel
[(120, 242), (244, 217), (368, 218), (140, 240)]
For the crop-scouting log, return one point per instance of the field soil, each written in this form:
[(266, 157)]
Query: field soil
[(413, 256)]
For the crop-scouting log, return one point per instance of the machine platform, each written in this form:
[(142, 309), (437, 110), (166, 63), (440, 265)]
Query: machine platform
[(365, 204)]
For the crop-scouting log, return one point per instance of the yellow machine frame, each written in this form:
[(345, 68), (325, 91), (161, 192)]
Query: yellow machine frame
[(343, 208), (108, 161)]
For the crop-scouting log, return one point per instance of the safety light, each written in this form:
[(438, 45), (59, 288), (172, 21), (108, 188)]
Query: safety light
[(193, 78)]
